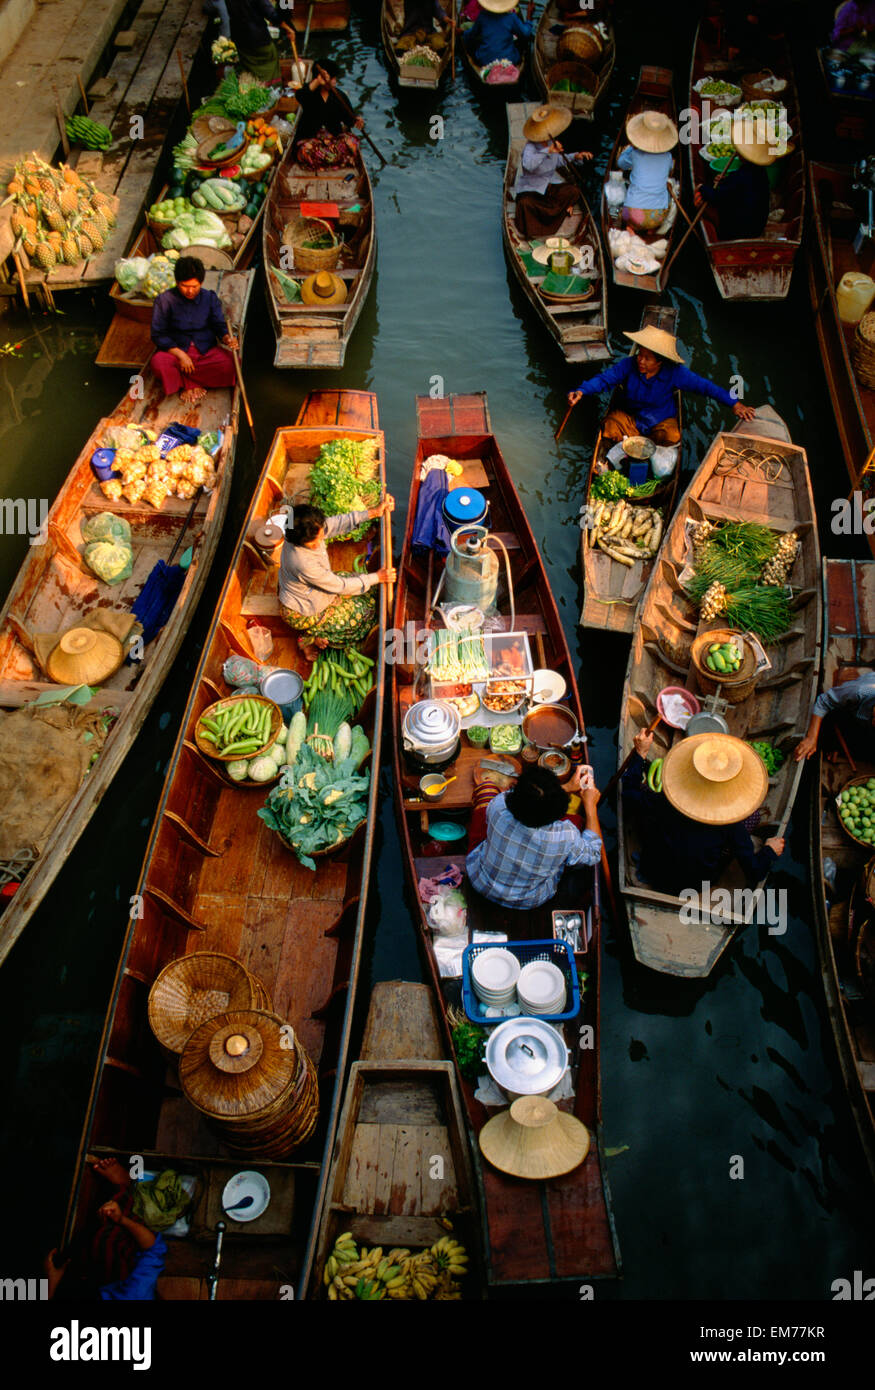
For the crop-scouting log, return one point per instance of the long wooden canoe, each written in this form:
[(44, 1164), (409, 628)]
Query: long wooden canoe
[(843, 910), (759, 267), (653, 93), (54, 586), (534, 1231), (320, 16), (401, 1111), (579, 327), (611, 590), (308, 336), (743, 477), (831, 254), (216, 878), (412, 77), (545, 53)]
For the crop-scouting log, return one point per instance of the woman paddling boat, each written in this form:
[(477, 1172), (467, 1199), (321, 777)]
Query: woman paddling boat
[(499, 36), (544, 198), (324, 135)]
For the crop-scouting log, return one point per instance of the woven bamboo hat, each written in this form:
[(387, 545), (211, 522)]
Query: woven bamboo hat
[(751, 139), (652, 131), (323, 289), (658, 341), (238, 1064), (534, 1139), (499, 6), (714, 778), (85, 656), (547, 121), (195, 988)]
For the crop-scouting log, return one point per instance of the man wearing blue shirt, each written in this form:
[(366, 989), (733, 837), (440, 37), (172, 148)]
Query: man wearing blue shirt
[(649, 379), (853, 705)]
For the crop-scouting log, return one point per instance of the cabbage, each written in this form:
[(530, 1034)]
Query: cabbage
[(262, 769), (238, 771), (106, 527), (131, 272), (109, 560)]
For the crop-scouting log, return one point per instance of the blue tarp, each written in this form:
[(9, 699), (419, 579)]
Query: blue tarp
[(430, 530)]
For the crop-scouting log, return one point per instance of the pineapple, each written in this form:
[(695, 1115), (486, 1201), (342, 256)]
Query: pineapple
[(55, 218), (32, 187), (47, 186), (68, 200), (17, 222), (15, 186), (70, 249), (85, 245), (70, 176), (44, 254), (29, 243), (93, 233), (99, 221)]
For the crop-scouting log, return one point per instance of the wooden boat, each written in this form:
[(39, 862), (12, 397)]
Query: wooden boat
[(215, 878), (534, 1231), (831, 255), (54, 586), (401, 1110), (743, 477), (843, 908), (611, 589), (653, 93), (760, 267), (320, 16), (503, 90), (411, 76), (579, 326), (545, 57), (308, 336)]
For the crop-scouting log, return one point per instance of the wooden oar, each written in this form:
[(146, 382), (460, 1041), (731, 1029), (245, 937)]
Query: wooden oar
[(845, 749), (344, 103), (717, 182), (453, 41), (606, 868), (681, 209), (307, 30), (298, 64), (564, 422), (609, 786), (184, 82), (242, 385)]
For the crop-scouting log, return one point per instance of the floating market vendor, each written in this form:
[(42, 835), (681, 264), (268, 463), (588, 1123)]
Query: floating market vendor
[(647, 160), (712, 784), (852, 706), (421, 14), (649, 379), (188, 324), (740, 201), (523, 839), (498, 34), (543, 196), (256, 49), (328, 608), (323, 137)]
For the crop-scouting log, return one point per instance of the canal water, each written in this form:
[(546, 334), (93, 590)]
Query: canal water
[(694, 1075)]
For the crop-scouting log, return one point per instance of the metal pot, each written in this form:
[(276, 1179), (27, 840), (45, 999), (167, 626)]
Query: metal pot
[(526, 1057), (538, 715), (706, 722), (286, 689), (430, 733)]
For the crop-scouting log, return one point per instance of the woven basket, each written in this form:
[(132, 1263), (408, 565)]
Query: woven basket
[(299, 229), (195, 988), (574, 71), (584, 43), (863, 351), (752, 90), (209, 750)]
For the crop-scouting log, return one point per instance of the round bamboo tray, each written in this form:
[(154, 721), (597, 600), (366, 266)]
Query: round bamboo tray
[(195, 988), (573, 71), (209, 749), (566, 298), (859, 781), (583, 42), (735, 687), (299, 229)]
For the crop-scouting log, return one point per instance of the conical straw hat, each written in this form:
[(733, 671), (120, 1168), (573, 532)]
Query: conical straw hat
[(714, 778), (534, 1139), (652, 131), (657, 340), (85, 656), (547, 121), (196, 987), (237, 1064), (323, 288), (751, 138), (499, 6)]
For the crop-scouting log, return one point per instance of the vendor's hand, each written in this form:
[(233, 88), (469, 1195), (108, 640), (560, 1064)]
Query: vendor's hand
[(556, 148), (387, 505), (231, 342), (185, 363), (589, 797), (111, 1211), (54, 1273), (574, 397), (386, 575), (358, 123), (583, 154), (698, 197), (642, 742), (777, 845), (744, 412), (805, 747)]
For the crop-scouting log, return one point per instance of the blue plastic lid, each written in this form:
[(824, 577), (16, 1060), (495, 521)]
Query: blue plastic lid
[(465, 504), (446, 830)]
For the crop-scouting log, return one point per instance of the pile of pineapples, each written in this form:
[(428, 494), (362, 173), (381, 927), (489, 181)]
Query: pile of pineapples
[(59, 218)]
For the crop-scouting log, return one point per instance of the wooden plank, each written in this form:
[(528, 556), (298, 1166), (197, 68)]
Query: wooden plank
[(406, 1184), (360, 1185), (387, 1141), (402, 1022)]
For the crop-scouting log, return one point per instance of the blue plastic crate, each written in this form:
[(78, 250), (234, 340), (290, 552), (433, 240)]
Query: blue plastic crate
[(559, 953)]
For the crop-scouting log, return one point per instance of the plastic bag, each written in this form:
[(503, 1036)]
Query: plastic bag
[(131, 272), (448, 914), (239, 670), (109, 560), (107, 527), (664, 460)]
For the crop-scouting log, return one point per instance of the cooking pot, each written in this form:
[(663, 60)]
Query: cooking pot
[(550, 726), (526, 1057), (430, 733)]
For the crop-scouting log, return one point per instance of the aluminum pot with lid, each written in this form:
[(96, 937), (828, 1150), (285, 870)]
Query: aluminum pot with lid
[(430, 731), (526, 1057)]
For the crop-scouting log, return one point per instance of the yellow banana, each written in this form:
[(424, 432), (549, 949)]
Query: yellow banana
[(332, 1293)]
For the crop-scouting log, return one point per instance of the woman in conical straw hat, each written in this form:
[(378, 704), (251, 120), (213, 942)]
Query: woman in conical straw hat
[(739, 203), (711, 785), (498, 34), (647, 160), (648, 380), (543, 196)]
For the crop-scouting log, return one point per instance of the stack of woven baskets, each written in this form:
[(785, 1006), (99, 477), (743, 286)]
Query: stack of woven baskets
[(300, 232), (239, 1063), (863, 351)]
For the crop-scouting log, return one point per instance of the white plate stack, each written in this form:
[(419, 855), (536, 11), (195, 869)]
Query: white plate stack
[(494, 975), (541, 988)]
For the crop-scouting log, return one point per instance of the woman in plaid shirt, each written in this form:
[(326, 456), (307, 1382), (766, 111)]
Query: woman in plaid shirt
[(525, 838)]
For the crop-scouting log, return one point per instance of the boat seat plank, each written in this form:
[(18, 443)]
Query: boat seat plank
[(413, 1101), (94, 501), (439, 1193), (387, 1140), (401, 1023), (409, 1170), (360, 1183)]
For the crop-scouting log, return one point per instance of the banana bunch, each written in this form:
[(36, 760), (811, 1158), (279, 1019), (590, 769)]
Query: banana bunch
[(371, 1276), (83, 131), (624, 532)]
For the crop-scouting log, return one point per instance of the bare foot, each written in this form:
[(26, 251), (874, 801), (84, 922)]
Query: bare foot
[(192, 395), (113, 1171), (308, 650), (321, 643)]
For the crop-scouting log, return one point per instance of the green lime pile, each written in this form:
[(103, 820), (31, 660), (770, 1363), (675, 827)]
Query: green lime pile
[(857, 810)]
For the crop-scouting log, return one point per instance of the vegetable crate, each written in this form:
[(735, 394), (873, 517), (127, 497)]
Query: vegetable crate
[(558, 953)]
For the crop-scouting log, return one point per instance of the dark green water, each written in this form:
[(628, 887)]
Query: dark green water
[(742, 1064)]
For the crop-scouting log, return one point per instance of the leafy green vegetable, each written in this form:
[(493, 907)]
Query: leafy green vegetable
[(343, 479), (229, 100), (316, 804), (773, 758), (609, 486), (468, 1042)]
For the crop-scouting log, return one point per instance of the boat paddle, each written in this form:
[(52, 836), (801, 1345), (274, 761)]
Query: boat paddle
[(240, 382), (155, 601), (606, 868), (609, 785), (307, 30), (345, 104), (564, 422), (717, 182), (302, 71)]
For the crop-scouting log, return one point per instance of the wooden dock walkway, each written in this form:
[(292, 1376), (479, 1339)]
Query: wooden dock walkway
[(144, 81)]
